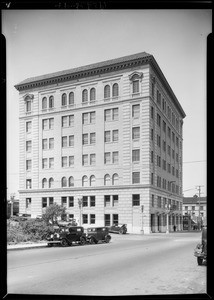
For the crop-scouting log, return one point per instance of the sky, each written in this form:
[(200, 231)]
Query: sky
[(44, 41)]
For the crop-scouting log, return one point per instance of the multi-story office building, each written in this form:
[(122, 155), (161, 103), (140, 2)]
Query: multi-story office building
[(104, 140)]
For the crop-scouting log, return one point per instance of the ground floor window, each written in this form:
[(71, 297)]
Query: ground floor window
[(107, 220), (92, 219), (85, 219), (115, 219), (136, 200), (28, 202)]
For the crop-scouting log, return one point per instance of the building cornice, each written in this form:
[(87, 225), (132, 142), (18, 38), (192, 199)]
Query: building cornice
[(77, 73)]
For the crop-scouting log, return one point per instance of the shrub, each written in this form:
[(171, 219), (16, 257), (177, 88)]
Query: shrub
[(36, 229)]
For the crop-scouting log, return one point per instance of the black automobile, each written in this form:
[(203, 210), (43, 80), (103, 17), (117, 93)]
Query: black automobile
[(67, 235), (119, 228), (201, 249), (96, 234)]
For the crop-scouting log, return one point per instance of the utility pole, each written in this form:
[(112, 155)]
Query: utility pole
[(198, 187)]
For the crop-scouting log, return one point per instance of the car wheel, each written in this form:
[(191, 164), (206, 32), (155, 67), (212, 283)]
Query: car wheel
[(107, 239), (82, 241), (92, 240), (121, 231), (64, 243), (50, 245), (200, 260)]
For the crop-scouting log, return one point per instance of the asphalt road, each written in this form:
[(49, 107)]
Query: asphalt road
[(128, 265)]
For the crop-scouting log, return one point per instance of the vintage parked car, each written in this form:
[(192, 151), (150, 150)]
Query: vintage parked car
[(96, 234), (66, 235), (201, 249), (120, 228)]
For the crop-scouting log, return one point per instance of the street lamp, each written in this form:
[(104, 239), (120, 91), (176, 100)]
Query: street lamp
[(80, 207), (167, 210)]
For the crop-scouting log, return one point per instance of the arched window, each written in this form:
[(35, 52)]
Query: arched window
[(71, 181), (92, 180), (115, 179), (107, 91), (51, 182), (51, 102), (84, 180), (107, 179), (64, 182), (84, 96), (44, 103), (115, 90), (71, 98), (92, 94), (64, 99), (44, 183)]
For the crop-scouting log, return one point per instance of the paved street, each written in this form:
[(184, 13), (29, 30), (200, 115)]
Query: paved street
[(128, 265)]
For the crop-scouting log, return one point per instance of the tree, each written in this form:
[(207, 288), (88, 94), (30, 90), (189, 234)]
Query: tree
[(52, 213)]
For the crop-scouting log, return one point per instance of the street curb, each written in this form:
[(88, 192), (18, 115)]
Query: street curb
[(24, 247)]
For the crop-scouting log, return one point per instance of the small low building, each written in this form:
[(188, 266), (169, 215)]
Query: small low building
[(195, 210), (12, 207)]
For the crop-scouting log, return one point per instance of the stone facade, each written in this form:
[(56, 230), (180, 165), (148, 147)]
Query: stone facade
[(122, 141)]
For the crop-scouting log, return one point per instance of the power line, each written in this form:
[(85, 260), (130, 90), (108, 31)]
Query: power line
[(193, 161)]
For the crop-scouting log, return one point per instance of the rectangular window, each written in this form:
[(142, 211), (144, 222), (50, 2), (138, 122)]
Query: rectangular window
[(158, 120), (152, 156), (28, 183), (115, 200), (92, 218), (85, 201), (107, 115), (92, 201), (44, 163), (51, 143), (45, 144), (153, 200), (44, 202), (201, 208), (93, 138), (51, 162), (85, 219), (107, 200), (115, 157), (45, 124), (92, 159), (135, 133), (152, 178), (107, 219), (71, 161), (115, 114), (115, 219), (71, 120), (107, 136), (85, 118), (135, 155), (51, 200), (135, 86), (28, 164), (85, 139), (135, 177), (71, 201), (28, 146), (152, 134), (64, 161), (115, 135), (193, 207), (152, 112), (169, 132), (136, 111), (85, 160), (64, 141), (135, 200), (64, 121), (107, 158), (51, 123), (92, 117), (28, 126), (64, 201), (71, 140)]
